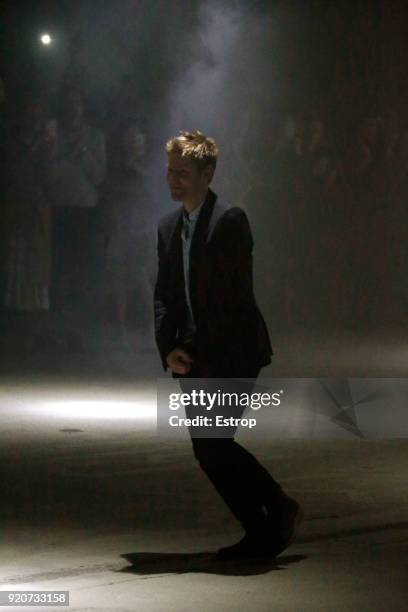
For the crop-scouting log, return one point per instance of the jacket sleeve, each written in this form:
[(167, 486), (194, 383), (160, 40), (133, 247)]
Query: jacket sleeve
[(235, 319), (164, 324), (235, 265)]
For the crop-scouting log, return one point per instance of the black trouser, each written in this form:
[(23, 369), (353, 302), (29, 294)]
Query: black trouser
[(243, 483)]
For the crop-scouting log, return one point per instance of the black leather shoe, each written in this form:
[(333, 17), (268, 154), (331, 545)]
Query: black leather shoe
[(276, 534), (284, 520), (249, 547)]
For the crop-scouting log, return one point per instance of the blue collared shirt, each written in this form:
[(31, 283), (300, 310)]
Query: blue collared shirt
[(189, 223)]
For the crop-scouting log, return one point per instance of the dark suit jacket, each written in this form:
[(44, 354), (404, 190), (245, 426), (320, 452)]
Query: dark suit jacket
[(231, 332)]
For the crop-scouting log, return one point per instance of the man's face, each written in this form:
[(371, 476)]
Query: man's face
[(185, 180)]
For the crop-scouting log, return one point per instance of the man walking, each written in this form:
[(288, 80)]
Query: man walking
[(208, 325)]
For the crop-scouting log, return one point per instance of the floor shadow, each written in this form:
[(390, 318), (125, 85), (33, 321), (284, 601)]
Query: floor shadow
[(205, 562), (350, 532)]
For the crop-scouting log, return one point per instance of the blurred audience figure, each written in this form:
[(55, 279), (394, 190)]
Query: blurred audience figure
[(123, 110), (319, 269), (129, 241), (392, 135), (370, 224), (30, 168), (290, 172), (3, 139), (76, 75), (82, 167), (398, 173)]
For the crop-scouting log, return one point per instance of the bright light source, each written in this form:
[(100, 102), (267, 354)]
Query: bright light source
[(86, 409), (46, 39)]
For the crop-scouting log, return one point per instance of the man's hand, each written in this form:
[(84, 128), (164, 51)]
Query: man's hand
[(179, 361)]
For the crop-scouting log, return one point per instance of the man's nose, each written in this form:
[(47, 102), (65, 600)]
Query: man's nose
[(174, 183)]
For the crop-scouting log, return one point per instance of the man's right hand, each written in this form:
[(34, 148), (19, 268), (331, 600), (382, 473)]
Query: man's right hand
[(179, 361)]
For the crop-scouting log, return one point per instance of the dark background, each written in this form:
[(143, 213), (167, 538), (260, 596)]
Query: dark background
[(329, 250)]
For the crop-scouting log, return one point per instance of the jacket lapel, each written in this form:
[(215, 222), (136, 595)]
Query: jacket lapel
[(206, 221), (176, 255), (198, 285), (201, 228)]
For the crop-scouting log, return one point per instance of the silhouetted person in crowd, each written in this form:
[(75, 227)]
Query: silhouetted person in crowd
[(129, 246), (76, 75), (318, 226), (81, 152), (3, 138), (398, 182), (208, 325), (366, 171), (30, 161), (123, 110), (290, 171)]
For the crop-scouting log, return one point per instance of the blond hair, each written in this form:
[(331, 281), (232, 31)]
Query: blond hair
[(201, 149)]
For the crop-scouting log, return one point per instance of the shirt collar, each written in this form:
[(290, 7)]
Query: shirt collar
[(194, 213)]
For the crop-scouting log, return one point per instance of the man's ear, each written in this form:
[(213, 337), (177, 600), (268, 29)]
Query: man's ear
[(209, 173)]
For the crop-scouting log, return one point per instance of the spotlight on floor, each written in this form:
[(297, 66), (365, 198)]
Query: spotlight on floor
[(114, 410)]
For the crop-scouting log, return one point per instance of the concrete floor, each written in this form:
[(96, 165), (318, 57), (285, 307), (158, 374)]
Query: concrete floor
[(94, 502)]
